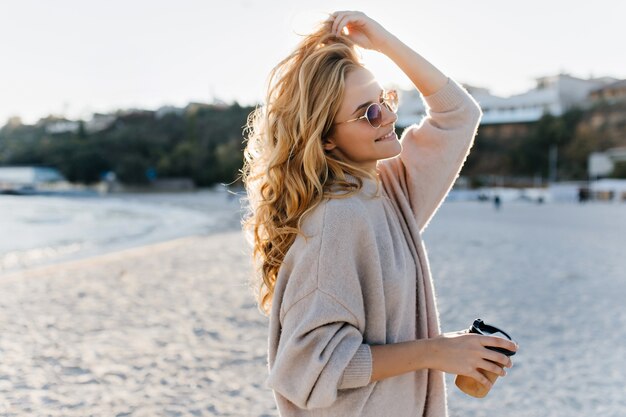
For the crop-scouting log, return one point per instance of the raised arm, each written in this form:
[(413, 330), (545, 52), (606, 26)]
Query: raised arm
[(434, 151), (424, 76)]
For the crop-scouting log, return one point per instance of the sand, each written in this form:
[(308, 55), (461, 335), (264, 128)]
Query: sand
[(171, 329), (163, 330)]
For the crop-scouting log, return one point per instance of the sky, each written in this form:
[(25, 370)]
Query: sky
[(74, 57)]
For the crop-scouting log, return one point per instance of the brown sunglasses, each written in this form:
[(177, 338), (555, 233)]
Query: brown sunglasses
[(374, 112)]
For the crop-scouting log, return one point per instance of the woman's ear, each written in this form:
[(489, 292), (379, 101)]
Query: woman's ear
[(328, 144)]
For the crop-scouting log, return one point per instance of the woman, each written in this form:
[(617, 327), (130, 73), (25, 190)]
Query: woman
[(337, 208)]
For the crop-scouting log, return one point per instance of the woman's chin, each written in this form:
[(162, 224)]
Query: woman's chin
[(391, 150)]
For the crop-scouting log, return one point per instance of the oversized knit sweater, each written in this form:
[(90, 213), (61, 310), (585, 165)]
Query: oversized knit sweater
[(362, 278)]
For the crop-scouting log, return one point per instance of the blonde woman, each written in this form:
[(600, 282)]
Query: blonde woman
[(337, 205)]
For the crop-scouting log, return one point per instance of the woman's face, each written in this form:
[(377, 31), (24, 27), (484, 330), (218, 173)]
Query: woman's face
[(357, 141)]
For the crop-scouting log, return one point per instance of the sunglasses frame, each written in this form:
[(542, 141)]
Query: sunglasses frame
[(386, 102)]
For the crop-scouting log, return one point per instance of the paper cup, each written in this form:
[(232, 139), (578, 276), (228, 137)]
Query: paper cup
[(468, 384)]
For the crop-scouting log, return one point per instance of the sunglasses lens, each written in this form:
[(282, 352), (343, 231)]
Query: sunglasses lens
[(374, 115)]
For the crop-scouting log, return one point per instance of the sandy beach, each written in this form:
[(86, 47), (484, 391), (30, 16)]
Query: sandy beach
[(163, 330), (171, 329)]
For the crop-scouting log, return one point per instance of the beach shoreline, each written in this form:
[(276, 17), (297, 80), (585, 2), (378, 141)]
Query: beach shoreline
[(49, 230), (98, 258)]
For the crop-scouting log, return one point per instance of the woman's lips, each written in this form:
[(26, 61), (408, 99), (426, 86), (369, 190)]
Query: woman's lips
[(389, 136)]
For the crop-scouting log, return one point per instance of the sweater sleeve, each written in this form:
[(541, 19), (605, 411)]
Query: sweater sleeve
[(434, 151), (321, 352), (321, 348)]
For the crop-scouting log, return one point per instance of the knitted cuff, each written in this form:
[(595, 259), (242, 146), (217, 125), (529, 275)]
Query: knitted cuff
[(448, 97), (359, 369)]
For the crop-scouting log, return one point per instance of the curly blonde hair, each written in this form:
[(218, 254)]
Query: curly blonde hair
[(286, 171)]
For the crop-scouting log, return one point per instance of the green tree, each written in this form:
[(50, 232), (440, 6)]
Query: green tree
[(230, 157), (132, 169), (619, 170)]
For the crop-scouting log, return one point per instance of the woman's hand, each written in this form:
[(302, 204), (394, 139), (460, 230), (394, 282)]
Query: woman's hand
[(362, 30), (463, 353)]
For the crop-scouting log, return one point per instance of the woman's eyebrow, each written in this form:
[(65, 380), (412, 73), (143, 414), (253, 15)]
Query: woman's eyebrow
[(367, 103)]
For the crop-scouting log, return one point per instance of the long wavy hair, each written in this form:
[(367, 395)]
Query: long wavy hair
[(286, 171)]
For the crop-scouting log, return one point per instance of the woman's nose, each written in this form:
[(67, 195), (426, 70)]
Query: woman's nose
[(389, 116)]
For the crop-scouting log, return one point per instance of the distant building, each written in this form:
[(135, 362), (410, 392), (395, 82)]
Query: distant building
[(63, 126), (193, 107), (164, 110), (552, 94), (99, 122), (610, 93), (608, 189), (601, 164), (26, 178), (14, 122), (56, 124), (134, 113)]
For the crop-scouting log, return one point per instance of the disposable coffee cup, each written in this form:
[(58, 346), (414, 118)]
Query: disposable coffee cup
[(468, 384)]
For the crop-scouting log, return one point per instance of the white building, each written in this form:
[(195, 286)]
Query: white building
[(611, 93), (62, 126), (164, 110), (552, 94), (17, 178), (609, 189), (99, 122), (600, 164)]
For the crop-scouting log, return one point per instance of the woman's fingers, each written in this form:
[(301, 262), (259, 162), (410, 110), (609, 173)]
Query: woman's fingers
[(492, 367), (338, 26), (498, 358), (340, 23), (362, 30), (499, 342), (342, 19), (336, 18), (466, 354), (478, 376)]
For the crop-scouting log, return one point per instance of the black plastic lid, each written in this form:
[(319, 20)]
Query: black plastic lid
[(480, 327)]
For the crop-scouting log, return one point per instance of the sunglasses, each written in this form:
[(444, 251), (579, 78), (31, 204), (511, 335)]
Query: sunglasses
[(374, 112)]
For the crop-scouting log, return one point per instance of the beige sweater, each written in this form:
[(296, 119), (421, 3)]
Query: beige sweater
[(363, 279)]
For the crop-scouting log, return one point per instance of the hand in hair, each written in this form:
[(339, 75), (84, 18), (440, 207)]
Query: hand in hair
[(362, 30)]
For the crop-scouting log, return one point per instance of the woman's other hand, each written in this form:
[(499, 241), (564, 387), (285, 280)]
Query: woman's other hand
[(463, 353), (362, 30)]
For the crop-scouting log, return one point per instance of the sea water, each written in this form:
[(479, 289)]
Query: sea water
[(39, 230)]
